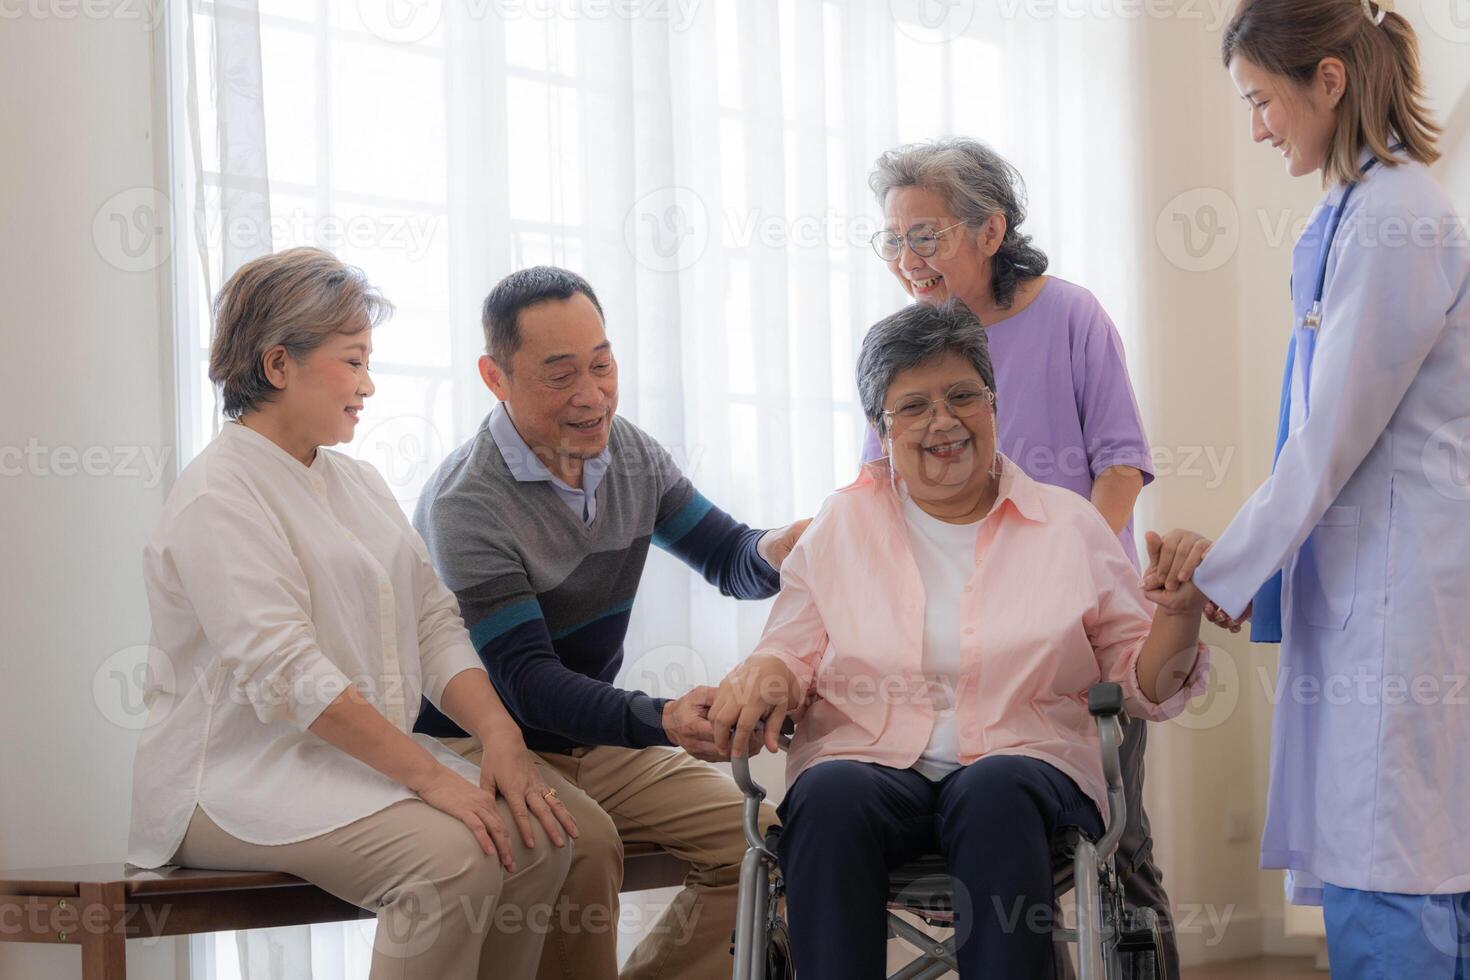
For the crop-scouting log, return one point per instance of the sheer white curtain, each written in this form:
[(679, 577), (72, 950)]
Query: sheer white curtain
[(702, 162)]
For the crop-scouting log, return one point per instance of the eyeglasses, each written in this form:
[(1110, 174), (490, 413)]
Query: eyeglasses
[(963, 401), (889, 244)]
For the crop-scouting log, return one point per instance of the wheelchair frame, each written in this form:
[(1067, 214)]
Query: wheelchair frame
[(1113, 943)]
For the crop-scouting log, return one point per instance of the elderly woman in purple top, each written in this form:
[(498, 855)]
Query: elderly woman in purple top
[(953, 210)]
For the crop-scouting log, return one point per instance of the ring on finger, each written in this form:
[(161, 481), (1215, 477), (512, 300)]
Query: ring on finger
[(550, 795)]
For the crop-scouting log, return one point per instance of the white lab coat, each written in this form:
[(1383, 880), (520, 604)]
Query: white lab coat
[(1368, 513)]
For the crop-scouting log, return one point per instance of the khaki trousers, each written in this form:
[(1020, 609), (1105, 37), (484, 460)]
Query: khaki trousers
[(446, 910), (659, 796)]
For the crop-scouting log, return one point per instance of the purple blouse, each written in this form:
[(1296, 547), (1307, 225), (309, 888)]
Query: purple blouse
[(1066, 409)]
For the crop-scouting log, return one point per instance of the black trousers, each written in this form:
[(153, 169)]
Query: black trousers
[(847, 824)]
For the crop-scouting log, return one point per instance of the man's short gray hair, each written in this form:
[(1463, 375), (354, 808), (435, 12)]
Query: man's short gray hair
[(976, 182), (908, 338)]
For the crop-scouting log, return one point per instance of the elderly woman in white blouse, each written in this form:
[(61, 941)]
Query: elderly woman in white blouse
[(296, 622)]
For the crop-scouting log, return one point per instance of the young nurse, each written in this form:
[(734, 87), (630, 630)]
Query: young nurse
[(1357, 548)]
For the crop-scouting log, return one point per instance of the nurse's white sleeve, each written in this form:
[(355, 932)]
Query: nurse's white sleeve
[(235, 566), (1384, 307)]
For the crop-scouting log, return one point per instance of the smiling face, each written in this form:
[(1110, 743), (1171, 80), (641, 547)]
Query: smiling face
[(960, 266), (944, 461), (318, 399), (1296, 119), (562, 387)]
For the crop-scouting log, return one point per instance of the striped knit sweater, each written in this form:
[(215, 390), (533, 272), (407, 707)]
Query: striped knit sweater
[(547, 598)]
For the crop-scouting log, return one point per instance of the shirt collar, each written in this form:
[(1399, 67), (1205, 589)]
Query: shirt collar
[(1365, 153), (524, 464), (1016, 487), (238, 431)]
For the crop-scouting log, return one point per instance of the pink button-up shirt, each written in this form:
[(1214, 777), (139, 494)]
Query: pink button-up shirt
[(1052, 608)]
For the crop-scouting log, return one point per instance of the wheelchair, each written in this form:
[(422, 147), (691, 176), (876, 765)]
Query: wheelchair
[(1113, 942)]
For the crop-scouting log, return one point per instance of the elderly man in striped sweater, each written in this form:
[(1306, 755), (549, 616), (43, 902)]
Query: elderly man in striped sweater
[(541, 525)]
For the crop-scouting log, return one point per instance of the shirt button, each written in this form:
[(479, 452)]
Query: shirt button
[(383, 588), (969, 588), (969, 630)]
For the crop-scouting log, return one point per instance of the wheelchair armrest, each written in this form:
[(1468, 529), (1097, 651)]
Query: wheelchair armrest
[(740, 769), (1105, 702), (740, 766), (755, 792)]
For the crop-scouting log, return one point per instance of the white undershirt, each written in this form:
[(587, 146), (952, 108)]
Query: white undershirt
[(945, 554)]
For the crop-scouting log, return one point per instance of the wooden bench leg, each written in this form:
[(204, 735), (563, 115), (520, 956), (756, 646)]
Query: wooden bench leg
[(104, 942)]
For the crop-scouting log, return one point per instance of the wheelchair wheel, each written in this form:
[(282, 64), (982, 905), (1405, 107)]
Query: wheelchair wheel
[(1138, 945), (778, 953)]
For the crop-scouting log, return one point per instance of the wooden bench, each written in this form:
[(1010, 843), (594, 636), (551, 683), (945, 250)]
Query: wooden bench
[(100, 906)]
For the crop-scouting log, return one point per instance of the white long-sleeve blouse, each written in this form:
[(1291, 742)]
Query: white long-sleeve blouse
[(272, 586)]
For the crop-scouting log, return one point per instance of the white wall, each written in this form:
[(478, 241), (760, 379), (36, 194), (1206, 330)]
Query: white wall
[(84, 365), (1202, 768)]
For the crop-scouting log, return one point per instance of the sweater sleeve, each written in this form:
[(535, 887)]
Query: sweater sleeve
[(480, 563), (721, 549)]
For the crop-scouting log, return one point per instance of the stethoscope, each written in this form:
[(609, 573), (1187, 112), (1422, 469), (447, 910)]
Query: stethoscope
[(1312, 319), (1310, 324)]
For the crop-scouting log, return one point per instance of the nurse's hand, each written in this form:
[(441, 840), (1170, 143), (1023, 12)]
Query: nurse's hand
[(1173, 558), (1223, 620)]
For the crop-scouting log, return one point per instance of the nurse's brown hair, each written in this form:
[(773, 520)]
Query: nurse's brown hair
[(1384, 99)]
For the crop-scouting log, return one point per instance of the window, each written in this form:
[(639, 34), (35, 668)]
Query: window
[(704, 164)]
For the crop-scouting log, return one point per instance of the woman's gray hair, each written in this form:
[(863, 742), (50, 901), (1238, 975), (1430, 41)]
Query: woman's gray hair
[(976, 182), (294, 299), (915, 334)]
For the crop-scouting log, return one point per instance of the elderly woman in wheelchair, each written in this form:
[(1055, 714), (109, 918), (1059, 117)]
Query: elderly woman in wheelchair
[(938, 630)]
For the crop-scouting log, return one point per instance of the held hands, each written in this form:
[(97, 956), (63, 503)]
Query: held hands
[(686, 722), (1168, 580), (762, 689)]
